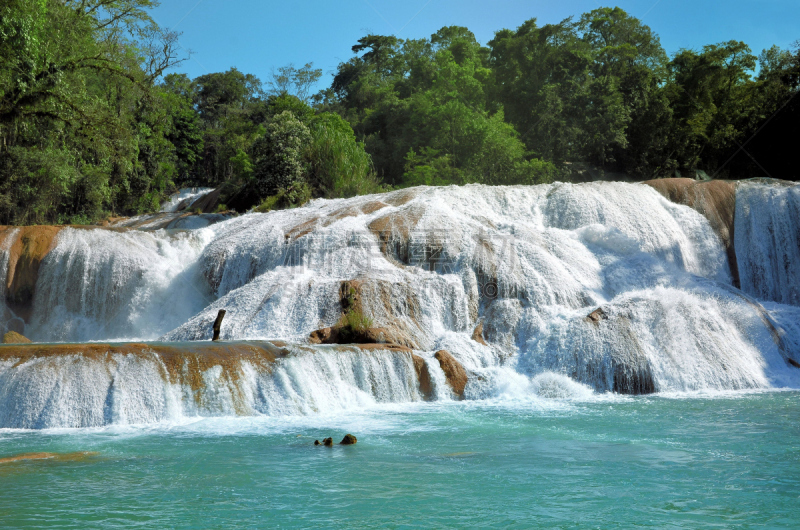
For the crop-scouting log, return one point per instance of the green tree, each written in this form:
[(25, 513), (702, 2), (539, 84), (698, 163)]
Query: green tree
[(710, 99), (79, 117), (338, 165), (230, 106), (297, 82), (279, 154), (184, 128), (629, 70)]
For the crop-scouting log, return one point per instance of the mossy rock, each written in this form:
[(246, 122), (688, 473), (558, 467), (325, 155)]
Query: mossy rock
[(12, 337), (348, 439)]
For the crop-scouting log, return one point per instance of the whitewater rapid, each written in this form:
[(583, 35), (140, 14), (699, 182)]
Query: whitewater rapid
[(527, 263)]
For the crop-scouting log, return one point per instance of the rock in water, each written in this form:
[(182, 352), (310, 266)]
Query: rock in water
[(59, 457), (327, 442), (477, 334), (348, 439), (453, 371), (316, 442), (423, 376), (12, 337), (345, 335), (596, 316)]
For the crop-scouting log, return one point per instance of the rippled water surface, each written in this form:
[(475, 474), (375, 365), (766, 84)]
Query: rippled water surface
[(725, 460)]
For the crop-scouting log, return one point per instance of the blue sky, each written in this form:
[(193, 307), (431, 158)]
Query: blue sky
[(257, 36)]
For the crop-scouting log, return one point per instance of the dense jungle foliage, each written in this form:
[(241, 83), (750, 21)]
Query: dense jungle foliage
[(94, 121)]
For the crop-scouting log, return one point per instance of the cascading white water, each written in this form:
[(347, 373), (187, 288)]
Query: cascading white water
[(183, 199), (78, 390), (103, 285), (768, 240), (528, 263)]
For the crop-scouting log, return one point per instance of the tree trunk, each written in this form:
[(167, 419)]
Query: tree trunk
[(218, 323)]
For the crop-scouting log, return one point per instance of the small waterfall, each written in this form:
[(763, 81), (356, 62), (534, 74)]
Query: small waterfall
[(768, 240), (81, 385), (664, 340), (105, 285), (183, 199)]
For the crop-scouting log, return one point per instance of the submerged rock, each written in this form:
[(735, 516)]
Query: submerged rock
[(60, 457), (348, 439), (453, 371), (12, 337)]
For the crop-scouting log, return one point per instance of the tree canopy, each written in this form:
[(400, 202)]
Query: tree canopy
[(95, 121)]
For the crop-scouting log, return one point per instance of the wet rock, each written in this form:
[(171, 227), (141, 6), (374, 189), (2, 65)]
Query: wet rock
[(398, 311), (303, 229), (349, 296), (324, 336), (30, 247), (337, 335), (16, 324), (327, 442), (633, 377), (596, 316), (317, 442), (453, 371), (60, 457), (423, 376), (372, 336), (401, 197), (632, 372), (381, 347), (348, 439), (393, 231), (715, 200), (477, 334), (12, 337), (793, 362)]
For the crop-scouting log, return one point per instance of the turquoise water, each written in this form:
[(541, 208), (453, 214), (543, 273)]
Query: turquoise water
[(728, 460)]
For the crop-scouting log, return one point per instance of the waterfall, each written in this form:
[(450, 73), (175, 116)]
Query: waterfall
[(768, 240), (183, 199), (101, 384), (105, 285), (608, 286)]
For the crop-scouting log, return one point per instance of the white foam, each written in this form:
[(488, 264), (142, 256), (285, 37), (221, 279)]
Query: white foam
[(106, 285), (549, 254), (183, 198), (767, 242)]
